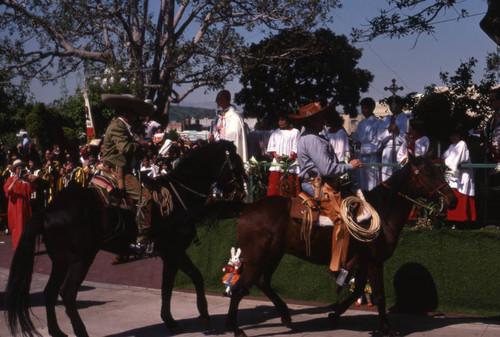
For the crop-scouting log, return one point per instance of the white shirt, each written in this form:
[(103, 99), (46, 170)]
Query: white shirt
[(366, 133), (385, 138), (152, 170), (459, 178), (339, 141), (421, 148), (284, 143), (369, 152)]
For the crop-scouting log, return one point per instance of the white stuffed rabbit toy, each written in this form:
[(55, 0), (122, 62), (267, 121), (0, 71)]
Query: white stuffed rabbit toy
[(231, 270)]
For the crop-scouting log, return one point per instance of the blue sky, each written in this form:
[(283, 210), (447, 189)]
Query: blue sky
[(413, 66)]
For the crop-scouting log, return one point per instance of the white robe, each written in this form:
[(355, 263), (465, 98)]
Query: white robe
[(369, 152), (459, 178), (386, 139), (421, 148), (233, 129), (284, 143), (339, 141)]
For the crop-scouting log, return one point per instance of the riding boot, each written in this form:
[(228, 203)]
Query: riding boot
[(143, 218)]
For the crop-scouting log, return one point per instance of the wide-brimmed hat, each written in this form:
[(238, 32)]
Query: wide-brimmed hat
[(18, 162), (310, 110), (129, 102)]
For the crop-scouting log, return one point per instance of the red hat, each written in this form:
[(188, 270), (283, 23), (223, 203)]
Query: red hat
[(310, 110)]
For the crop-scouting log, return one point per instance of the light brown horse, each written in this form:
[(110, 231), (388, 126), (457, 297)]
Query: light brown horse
[(266, 232)]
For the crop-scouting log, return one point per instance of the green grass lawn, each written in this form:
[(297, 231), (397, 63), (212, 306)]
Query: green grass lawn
[(464, 266)]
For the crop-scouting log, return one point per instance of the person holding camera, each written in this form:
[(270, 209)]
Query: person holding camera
[(18, 189)]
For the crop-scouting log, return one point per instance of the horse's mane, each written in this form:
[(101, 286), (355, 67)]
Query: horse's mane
[(191, 160)]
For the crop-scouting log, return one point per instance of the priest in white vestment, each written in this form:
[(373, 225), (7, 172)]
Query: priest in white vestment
[(231, 125), (367, 146), (391, 134)]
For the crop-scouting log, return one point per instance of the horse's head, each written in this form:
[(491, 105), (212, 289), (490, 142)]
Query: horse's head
[(427, 180), (230, 174)]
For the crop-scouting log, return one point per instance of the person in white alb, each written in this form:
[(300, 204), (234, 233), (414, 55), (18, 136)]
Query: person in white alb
[(338, 137), (461, 180), (391, 134), (282, 147), (231, 125), (367, 147), (415, 142)]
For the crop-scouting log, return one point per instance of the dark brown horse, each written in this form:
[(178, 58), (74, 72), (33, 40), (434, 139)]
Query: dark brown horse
[(76, 225), (266, 232)]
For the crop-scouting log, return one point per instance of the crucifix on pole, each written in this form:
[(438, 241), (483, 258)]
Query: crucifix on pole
[(393, 88)]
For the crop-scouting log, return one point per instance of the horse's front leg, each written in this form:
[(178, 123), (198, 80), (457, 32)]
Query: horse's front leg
[(359, 286), (376, 277), (188, 267), (170, 268)]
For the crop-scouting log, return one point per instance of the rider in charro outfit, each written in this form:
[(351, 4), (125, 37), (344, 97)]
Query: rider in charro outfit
[(121, 149), (315, 155), (317, 161)]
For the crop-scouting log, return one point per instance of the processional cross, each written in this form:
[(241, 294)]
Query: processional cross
[(393, 88)]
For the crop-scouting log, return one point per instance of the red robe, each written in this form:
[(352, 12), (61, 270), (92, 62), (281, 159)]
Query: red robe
[(19, 209)]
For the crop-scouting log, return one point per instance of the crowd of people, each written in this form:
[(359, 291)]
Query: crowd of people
[(38, 178)]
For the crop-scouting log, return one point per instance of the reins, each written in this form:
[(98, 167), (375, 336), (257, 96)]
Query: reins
[(405, 196)]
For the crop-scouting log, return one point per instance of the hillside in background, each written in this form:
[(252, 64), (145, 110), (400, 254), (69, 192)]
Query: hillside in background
[(178, 113)]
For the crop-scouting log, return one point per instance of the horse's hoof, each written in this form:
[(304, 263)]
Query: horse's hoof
[(205, 322), (239, 333), (174, 328), (287, 322)]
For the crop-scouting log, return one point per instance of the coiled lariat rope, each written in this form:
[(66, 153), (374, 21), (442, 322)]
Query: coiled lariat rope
[(358, 232)]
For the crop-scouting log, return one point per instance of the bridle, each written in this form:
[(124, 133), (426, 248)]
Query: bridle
[(234, 178), (233, 181), (417, 178)]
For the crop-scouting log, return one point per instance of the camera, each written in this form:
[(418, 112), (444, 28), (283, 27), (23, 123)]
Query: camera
[(22, 172)]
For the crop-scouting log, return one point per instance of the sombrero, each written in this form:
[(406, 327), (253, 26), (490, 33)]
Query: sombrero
[(129, 102), (310, 110), (16, 163)]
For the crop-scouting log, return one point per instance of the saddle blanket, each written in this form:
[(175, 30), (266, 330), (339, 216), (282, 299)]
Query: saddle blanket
[(324, 221)]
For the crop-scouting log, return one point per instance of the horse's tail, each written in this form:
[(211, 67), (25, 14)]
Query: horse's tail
[(18, 286)]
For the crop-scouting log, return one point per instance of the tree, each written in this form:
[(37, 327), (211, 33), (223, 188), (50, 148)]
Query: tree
[(311, 67), (45, 124), (166, 49), (12, 100), (407, 17), (462, 102)]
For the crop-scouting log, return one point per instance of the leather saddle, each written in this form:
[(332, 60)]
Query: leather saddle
[(111, 195), (299, 208)]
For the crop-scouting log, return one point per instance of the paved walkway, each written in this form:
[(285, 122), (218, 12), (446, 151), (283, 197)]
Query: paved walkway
[(110, 309)]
